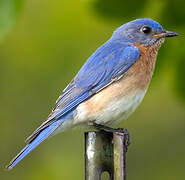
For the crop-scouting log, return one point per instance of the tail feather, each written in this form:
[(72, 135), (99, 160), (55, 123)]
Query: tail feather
[(34, 143)]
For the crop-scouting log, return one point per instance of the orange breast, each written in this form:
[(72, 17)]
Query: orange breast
[(136, 79), (141, 72)]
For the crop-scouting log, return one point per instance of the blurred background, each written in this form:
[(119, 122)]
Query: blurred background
[(43, 44)]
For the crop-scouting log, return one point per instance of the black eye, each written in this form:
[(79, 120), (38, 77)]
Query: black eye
[(146, 29)]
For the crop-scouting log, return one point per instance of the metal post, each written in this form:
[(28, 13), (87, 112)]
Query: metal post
[(105, 151), (120, 149)]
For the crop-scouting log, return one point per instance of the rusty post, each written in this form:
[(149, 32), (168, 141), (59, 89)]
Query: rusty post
[(105, 151)]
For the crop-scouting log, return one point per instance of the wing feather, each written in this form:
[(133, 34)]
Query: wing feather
[(106, 65)]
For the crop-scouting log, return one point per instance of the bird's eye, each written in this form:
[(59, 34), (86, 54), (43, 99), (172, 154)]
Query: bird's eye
[(146, 29)]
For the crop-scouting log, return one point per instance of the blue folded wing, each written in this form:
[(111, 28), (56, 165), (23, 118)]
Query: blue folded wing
[(106, 65), (33, 144)]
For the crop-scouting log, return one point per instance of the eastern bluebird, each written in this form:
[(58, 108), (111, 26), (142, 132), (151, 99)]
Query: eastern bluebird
[(109, 86)]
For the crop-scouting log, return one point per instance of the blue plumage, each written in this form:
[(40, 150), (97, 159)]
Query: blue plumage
[(33, 144), (41, 136), (109, 62), (105, 66)]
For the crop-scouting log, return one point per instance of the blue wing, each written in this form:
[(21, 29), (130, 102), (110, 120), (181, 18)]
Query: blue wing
[(106, 65), (33, 144), (37, 140)]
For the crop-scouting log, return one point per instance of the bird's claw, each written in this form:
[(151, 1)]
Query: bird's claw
[(118, 130)]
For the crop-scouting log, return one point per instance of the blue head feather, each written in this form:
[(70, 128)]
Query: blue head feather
[(132, 31)]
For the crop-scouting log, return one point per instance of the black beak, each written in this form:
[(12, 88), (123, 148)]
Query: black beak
[(165, 34), (170, 34)]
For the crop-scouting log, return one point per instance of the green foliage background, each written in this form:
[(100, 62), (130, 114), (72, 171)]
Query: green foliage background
[(42, 46)]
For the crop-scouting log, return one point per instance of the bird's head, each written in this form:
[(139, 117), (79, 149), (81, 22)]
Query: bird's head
[(143, 31)]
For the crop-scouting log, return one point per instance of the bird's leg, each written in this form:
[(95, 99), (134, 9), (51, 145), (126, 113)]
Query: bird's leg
[(109, 129), (103, 127)]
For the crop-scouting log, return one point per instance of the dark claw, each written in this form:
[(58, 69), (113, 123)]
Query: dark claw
[(120, 130)]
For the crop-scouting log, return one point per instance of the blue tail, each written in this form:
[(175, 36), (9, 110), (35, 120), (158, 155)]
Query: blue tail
[(33, 144)]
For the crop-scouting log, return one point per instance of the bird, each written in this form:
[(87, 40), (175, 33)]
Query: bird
[(109, 86)]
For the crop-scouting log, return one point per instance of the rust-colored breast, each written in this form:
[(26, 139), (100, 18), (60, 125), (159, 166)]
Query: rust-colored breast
[(134, 81), (140, 74)]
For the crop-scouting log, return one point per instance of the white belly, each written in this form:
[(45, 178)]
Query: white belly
[(116, 110)]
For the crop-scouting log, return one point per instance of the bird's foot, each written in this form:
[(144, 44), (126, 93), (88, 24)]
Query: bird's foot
[(118, 130)]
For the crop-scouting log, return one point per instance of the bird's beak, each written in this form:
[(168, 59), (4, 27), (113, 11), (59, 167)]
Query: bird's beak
[(166, 34)]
